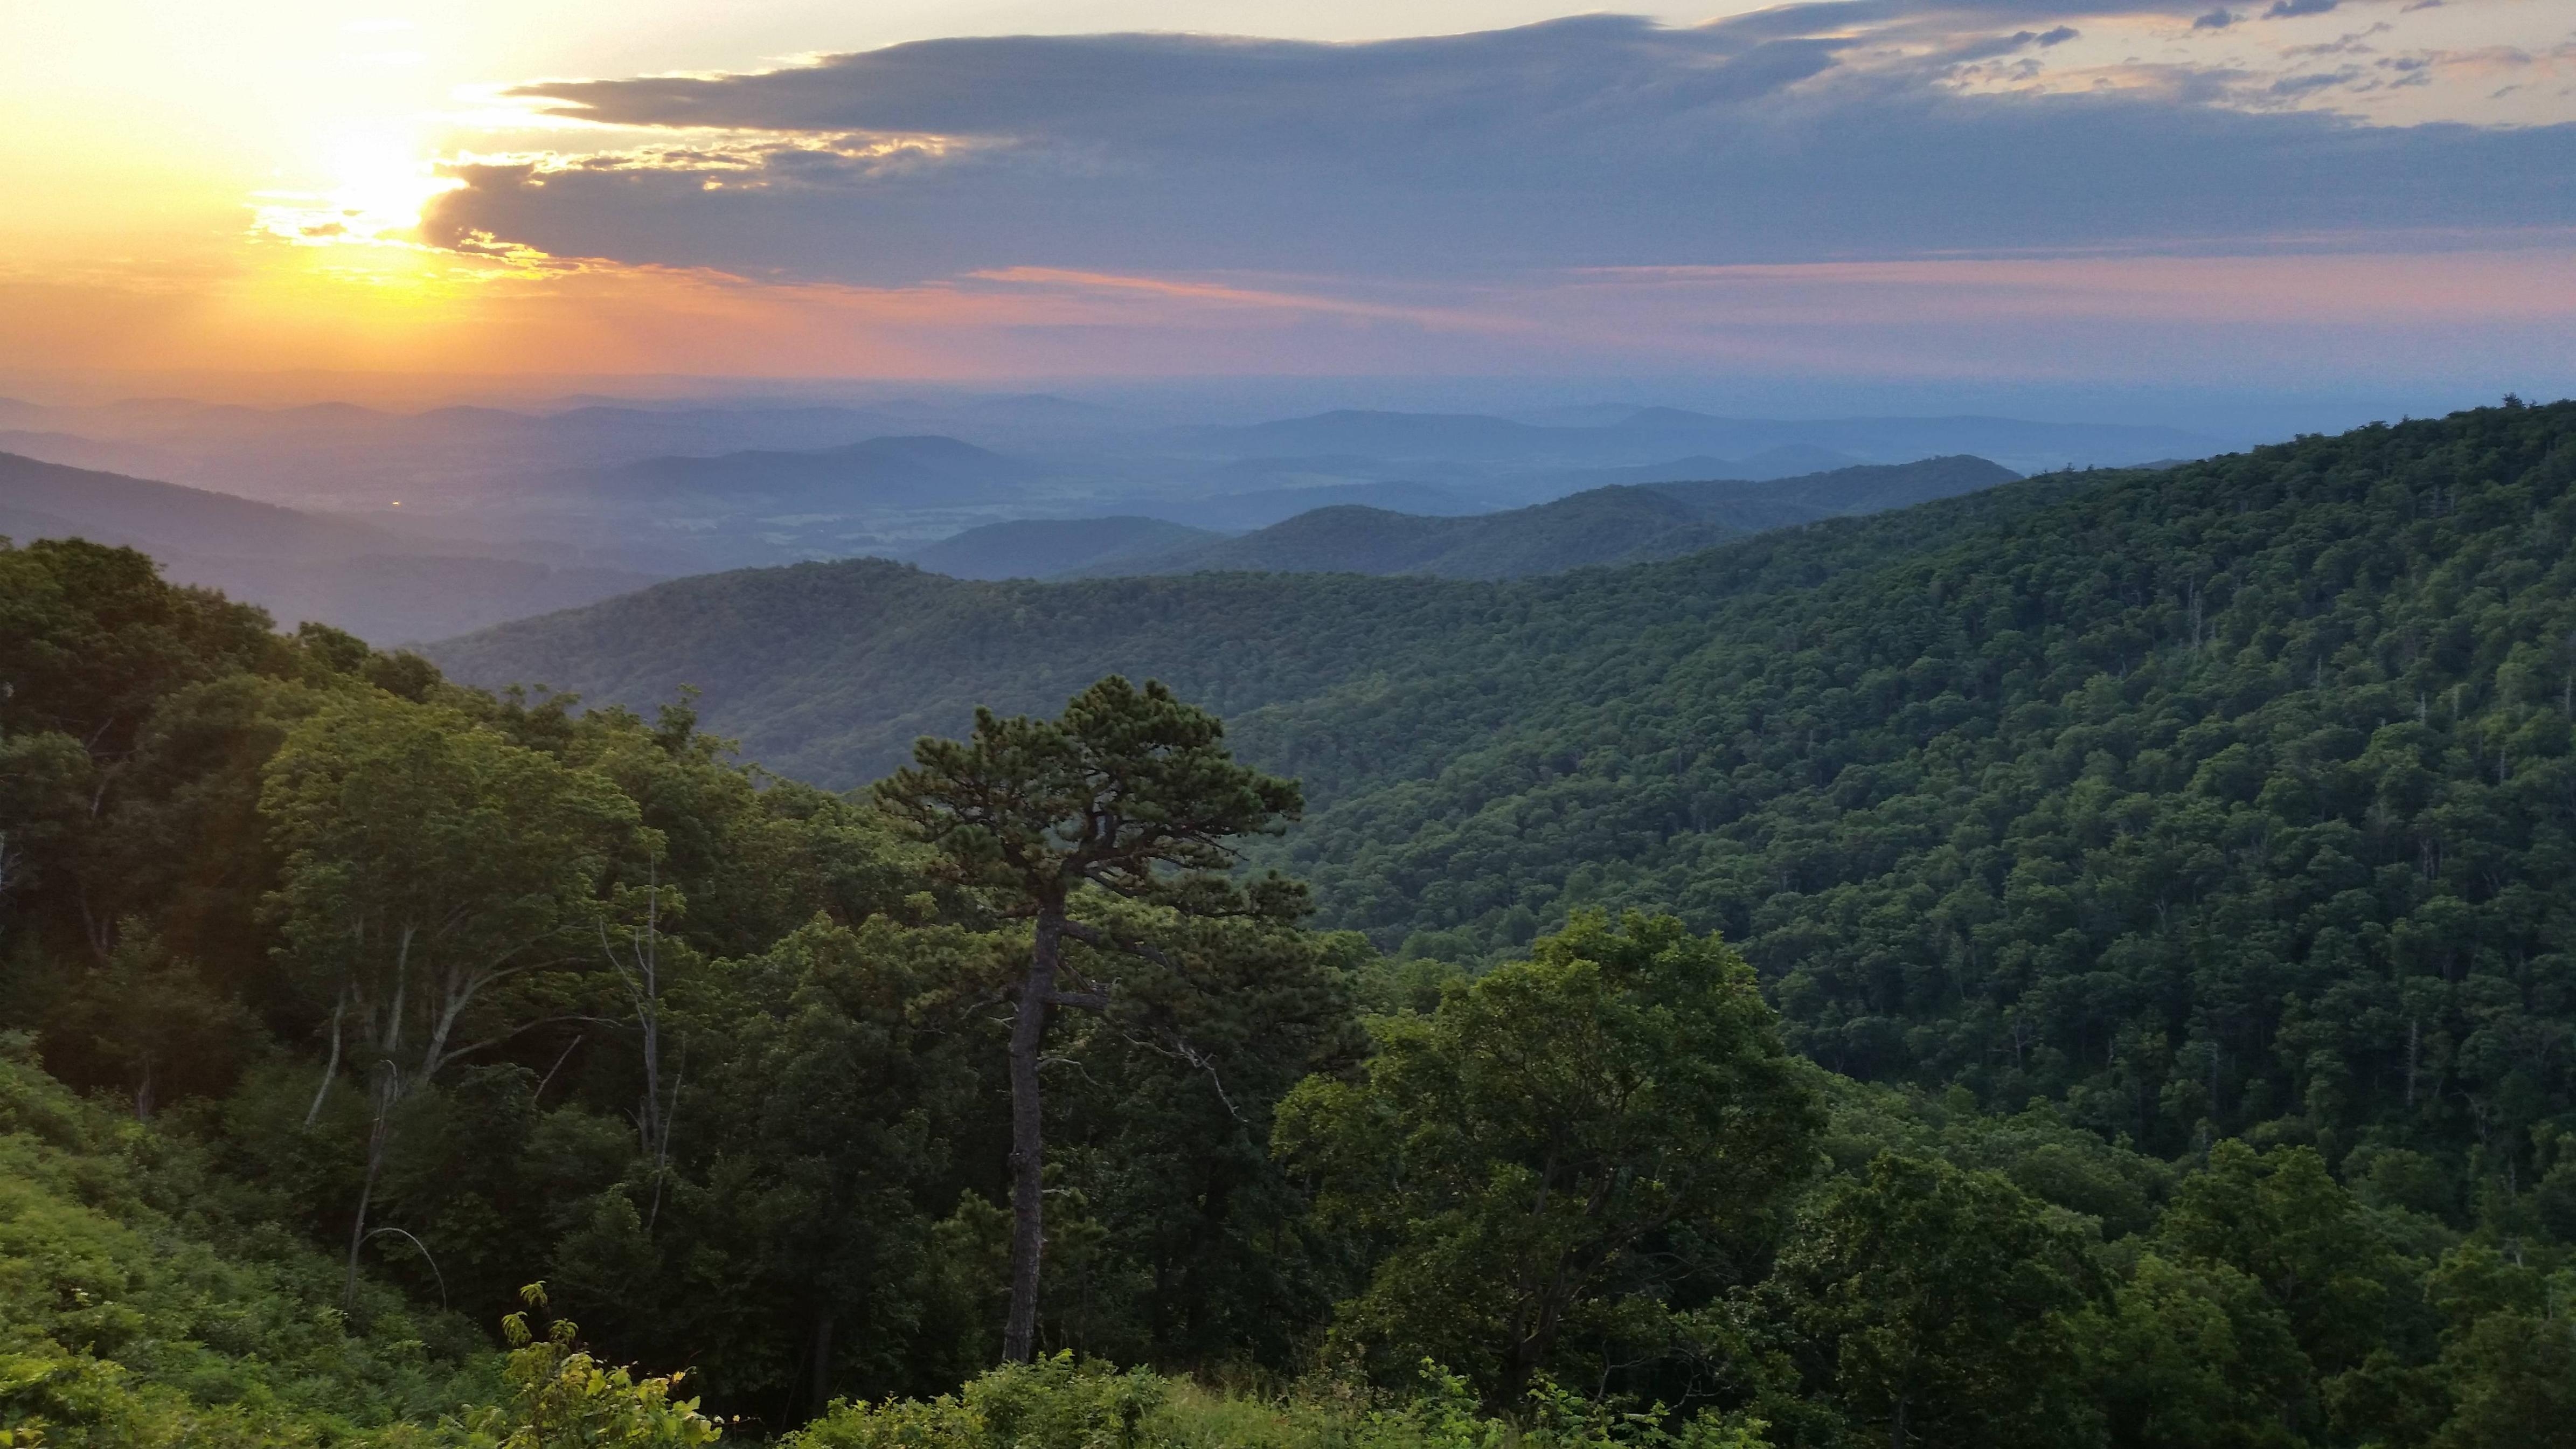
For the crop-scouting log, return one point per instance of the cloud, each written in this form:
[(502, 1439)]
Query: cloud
[(1598, 141), (2283, 8), (2215, 20)]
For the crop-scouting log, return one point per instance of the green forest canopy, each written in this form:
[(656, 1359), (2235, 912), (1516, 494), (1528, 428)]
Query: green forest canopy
[(2220, 794), (2179, 851)]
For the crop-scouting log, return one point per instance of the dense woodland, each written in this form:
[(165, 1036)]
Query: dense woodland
[(2078, 965)]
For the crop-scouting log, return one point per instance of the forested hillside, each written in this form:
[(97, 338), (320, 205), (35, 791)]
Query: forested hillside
[(2208, 797), (1606, 525), (829, 671), (2184, 854), (1039, 548)]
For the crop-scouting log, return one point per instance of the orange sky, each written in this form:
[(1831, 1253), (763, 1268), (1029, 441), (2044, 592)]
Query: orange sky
[(156, 151)]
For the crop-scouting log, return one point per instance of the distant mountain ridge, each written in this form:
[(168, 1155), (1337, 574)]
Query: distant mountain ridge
[(1262, 507), (1041, 548), (917, 471), (829, 670), (1647, 435), (1613, 525), (383, 586)]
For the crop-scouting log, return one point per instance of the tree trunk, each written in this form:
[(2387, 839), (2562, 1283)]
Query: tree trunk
[(819, 1395), (367, 1192), (331, 1068), (1028, 1142)]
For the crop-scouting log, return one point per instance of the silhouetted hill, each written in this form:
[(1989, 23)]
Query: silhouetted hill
[(159, 517), (379, 585), (905, 472), (1606, 525), (1855, 490), (1259, 508), (1040, 548), (829, 670), (1624, 524), (1758, 447)]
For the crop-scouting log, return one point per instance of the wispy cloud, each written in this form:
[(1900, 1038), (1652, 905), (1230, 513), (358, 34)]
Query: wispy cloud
[(1814, 185), (1596, 141)]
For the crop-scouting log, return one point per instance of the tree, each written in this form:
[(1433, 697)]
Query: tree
[(149, 1021), (2282, 1220), (2193, 1358), (2512, 1377), (44, 797), (1935, 1303), (1128, 795), (429, 862), (795, 1257), (1196, 1247), (1557, 1147)]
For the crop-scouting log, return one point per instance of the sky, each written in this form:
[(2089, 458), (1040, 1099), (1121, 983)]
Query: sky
[(2366, 196)]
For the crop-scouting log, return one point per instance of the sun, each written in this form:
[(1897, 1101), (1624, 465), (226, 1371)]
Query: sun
[(378, 183)]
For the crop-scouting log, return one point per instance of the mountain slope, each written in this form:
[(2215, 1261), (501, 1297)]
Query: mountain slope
[(895, 472), (1645, 435), (1851, 490), (1038, 548), (1617, 524), (2239, 791), (829, 670), (1261, 507), (164, 516), (384, 587), (144, 1304)]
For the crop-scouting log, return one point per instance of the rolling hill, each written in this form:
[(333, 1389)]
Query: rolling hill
[(829, 670), (2231, 797), (927, 471), (1261, 507), (1039, 548), (1838, 492), (1606, 525), (1648, 435), (1619, 524), (383, 586)]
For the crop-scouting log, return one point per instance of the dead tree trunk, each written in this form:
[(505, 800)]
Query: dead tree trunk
[(1028, 1141)]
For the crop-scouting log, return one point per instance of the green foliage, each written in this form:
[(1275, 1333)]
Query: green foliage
[(1559, 1151), (563, 1398), (2514, 1377), (2234, 793), (2284, 1223), (2193, 1358), (91, 638), (1128, 800), (139, 1308), (801, 1217), (1936, 1302), (1062, 1403), (1129, 791), (2182, 855)]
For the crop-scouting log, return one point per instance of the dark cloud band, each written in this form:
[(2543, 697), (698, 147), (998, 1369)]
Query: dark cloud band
[(1597, 141)]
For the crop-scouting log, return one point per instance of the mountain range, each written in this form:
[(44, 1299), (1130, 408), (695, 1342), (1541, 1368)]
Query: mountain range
[(384, 586), (1610, 525), (2170, 794)]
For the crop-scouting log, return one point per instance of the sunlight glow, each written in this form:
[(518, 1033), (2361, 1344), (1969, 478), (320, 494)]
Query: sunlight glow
[(381, 183)]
